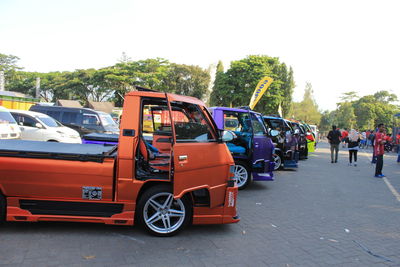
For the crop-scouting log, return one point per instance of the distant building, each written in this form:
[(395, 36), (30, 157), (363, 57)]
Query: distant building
[(68, 103), (106, 107)]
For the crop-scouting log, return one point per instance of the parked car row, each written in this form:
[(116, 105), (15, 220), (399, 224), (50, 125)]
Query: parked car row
[(8, 126), (83, 120), (42, 123), (171, 162)]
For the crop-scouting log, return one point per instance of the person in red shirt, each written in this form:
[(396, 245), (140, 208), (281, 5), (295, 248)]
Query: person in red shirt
[(379, 150), (398, 146), (345, 133)]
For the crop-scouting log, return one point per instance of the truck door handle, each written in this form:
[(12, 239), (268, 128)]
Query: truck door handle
[(183, 157)]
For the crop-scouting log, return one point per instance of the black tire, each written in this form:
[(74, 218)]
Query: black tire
[(2, 208), (277, 157), (160, 195), (244, 175)]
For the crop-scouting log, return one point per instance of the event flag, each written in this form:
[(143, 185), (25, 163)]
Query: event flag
[(262, 86), (280, 110)]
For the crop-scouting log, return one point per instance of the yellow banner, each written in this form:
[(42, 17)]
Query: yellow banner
[(262, 86)]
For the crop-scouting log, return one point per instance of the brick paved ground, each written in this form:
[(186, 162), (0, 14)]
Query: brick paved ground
[(323, 214)]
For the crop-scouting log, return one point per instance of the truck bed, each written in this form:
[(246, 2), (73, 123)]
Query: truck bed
[(54, 150)]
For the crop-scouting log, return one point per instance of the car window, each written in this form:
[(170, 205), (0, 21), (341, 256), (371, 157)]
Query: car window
[(156, 122), (69, 117), (190, 124), (54, 114), (258, 127), (6, 117), (48, 121), (90, 119), (107, 120), (237, 121), (25, 120), (275, 124)]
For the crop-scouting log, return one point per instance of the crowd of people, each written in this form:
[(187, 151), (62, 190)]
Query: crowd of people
[(378, 139)]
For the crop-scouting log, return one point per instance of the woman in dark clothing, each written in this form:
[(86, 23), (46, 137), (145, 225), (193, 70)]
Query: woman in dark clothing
[(353, 141)]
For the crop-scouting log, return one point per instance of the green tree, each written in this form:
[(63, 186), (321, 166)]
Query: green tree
[(287, 89), (218, 92), (307, 109), (345, 116), (328, 118), (371, 110), (235, 87), (349, 96), (23, 82), (186, 80), (8, 64)]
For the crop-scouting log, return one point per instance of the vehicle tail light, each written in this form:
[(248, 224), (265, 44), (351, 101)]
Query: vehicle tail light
[(231, 178)]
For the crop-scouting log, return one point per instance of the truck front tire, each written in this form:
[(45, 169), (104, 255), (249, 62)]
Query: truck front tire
[(278, 161), (162, 215)]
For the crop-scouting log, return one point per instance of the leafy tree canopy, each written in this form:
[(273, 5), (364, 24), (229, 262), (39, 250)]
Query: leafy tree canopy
[(307, 109), (235, 86), (112, 83)]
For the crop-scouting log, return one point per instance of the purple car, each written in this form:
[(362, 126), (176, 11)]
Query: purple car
[(252, 149)]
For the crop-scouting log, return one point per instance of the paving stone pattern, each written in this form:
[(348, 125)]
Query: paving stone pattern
[(322, 214)]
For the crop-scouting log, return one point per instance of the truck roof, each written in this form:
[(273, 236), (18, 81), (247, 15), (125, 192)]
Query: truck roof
[(171, 97), (233, 109)]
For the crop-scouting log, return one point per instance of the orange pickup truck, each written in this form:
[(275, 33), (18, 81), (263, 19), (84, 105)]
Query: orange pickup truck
[(176, 172)]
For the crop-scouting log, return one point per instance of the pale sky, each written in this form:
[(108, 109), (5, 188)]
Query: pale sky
[(337, 46)]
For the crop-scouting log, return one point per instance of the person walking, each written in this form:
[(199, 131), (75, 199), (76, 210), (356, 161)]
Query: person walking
[(353, 142), (334, 140), (379, 150)]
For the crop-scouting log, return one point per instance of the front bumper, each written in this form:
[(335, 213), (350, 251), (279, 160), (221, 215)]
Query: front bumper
[(268, 174), (219, 215)]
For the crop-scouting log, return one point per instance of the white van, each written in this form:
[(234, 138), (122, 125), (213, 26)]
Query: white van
[(40, 127), (8, 126)]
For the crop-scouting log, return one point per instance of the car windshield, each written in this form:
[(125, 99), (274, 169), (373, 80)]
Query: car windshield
[(258, 126), (48, 121), (275, 124), (107, 121), (5, 117)]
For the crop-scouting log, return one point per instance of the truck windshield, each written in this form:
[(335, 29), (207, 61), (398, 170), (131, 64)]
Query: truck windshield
[(5, 117)]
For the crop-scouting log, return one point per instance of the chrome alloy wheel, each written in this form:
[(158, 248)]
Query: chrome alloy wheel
[(163, 214), (241, 175), (277, 160)]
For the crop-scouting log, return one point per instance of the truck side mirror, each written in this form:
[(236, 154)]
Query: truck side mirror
[(273, 133), (228, 136)]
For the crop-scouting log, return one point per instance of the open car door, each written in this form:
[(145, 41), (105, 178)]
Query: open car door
[(200, 161)]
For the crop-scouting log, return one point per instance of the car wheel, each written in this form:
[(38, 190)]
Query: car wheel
[(278, 161), (242, 175), (161, 214)]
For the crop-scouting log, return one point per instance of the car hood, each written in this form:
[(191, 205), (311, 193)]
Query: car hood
[(66, 130)]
